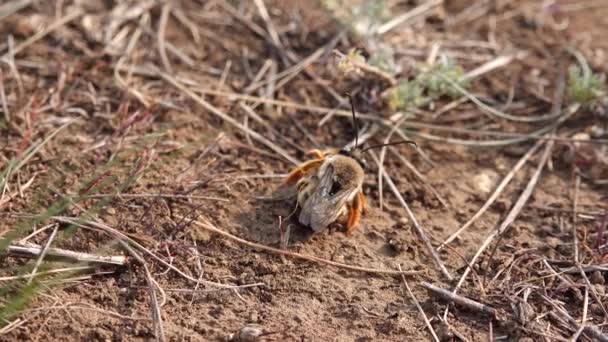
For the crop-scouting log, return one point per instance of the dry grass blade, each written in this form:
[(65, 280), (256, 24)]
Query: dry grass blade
[(415, 300), (209, 227), (412, 218), (593, 330), (39, 35), (122, 237), (53, 271), (495, 194), (162, 28), (157, 319), (255, 135), (413, 14), (513, 213), (43, 253), (13, 7)]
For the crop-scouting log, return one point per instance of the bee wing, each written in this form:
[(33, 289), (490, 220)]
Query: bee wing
[(322, 208)]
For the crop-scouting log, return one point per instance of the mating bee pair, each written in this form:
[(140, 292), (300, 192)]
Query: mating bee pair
[(329, 187)]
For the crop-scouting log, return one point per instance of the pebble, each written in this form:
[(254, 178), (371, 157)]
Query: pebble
[(600, 289), (597, 278)]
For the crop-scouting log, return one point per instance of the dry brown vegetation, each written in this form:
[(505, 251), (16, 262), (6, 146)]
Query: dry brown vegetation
[(139, 141)]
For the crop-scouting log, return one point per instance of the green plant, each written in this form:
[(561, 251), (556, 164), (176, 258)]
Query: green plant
[(430, 83), (584, 87), (406, 94), (435, 79), (349, 62), (383, 58)]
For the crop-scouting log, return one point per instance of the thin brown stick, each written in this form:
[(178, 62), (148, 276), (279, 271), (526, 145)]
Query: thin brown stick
[(505, 181), (460, 300), (210, 227), (31, 250), (412, 218), (415, 300)]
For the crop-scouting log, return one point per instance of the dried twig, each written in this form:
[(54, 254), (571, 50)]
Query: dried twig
[(210, 227), (520, 163), (415, 300), (32, 250), (122, 237), (408, 16), (460, 300), (592, 330), (43, 33), (513, 213), (162, 27), (412, 218), (157, 319), (171, 80)]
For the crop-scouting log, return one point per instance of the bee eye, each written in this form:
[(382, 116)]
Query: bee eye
[(335, 187)]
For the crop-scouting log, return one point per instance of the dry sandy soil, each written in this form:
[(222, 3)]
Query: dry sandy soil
[(112, 118)]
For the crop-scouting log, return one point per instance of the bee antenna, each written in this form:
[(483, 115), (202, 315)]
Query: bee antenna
[(352, 109), (391, 144)]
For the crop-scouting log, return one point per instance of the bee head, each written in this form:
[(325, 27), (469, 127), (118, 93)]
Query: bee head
[(355, 154)]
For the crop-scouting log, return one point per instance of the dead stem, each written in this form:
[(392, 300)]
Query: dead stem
[(209, 227), (420, 232), (95, 225), (460, 300), (505, 181), (33, 250), (171, 80), (415, 300), (42, 253), (157, 319), (513, 213), (162, 27), (41, 34)]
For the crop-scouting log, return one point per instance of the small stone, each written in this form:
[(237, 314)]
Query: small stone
[(484, 182), (553, 242), (525, 339), (111, 211), (596, 309), (600, 289), (247, 334), (597, 278), (253, 317)]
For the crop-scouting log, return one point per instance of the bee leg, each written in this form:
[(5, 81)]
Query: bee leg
[(318, 154), (301, 170), (363, 200), (354, 212)]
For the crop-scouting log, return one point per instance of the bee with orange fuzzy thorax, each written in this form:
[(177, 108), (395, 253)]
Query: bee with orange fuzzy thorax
[(329, 187)]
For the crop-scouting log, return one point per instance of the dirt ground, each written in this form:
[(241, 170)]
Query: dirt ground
[(111, 117)]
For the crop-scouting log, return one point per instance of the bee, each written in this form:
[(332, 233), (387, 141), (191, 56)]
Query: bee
[(329, 187)]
